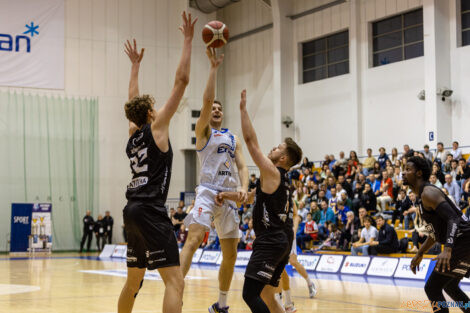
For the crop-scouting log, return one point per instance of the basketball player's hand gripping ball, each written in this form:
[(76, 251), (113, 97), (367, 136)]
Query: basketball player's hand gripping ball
[(215, 34), (188, 26), (212, 55)]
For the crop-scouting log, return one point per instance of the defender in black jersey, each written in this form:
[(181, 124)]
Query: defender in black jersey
[(272, 218), (444, 223), (151, 240)]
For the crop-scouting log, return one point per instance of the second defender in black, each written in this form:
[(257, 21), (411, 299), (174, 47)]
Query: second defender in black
[(444, 223), (272, 218)]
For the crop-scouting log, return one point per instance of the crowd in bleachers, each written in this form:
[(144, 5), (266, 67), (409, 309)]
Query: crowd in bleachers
[(355, 205)]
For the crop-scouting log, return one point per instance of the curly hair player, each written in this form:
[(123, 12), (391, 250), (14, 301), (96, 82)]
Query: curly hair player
[(445, 224), (272, 218)]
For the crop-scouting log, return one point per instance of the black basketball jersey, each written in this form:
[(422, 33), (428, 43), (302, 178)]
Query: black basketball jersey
[(433, 223), (273, 212), (151, 168)]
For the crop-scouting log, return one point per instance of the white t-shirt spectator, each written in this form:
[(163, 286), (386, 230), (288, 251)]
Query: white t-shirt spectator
[(369, 233), (456, 154), (303, 212)]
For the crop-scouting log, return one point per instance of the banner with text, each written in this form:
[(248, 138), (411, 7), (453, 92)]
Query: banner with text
[(32, 43)]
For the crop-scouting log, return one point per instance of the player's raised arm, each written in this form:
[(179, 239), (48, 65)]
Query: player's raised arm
[(135, 58), (265, 165), (165, 114), (202, 125)]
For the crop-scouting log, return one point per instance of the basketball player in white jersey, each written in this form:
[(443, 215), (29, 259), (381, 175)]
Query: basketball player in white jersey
[(218, 150)]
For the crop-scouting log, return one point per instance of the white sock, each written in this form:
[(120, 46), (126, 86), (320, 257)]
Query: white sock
[(309, 281), (223, 298), (287, 297)]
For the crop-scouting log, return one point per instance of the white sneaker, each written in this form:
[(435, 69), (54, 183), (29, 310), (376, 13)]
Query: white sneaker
[(290, 308), (312, 290)]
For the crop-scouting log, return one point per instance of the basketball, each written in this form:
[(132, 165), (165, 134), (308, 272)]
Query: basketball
[(215, 34)]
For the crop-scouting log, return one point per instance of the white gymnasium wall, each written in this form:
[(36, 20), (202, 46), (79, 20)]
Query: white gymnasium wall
[(248, 63), (96, 66)]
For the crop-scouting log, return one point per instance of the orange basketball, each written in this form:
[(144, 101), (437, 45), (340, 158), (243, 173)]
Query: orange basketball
[(215, 34)]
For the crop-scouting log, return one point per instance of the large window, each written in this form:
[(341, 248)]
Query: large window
[(398, 38), (465, 9), (325, 57)]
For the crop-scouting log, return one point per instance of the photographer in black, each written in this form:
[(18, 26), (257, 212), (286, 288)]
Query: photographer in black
[(109, 222), (88, 223)]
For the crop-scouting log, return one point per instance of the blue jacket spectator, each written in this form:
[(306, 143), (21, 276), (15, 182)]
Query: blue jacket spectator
[(341, 212), (383, 157), (327, 214)]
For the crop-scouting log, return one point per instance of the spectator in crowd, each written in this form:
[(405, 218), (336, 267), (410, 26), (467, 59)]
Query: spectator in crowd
[(340, 191), (313, 196), (252, 182), (453, 188), (383, 157), (463, 170), (385, 195), (369, 161), (322, 196), (88, 222), (447, 164), (316, 213), (334, 237), (345, 185), (436, 170), (368, 198), (456, 151), (249, 236), (324, 171), (368, 235), (410, 214), (213, 242), (376, 170), (327, 215), (99, 229), (333, 200), (387, 240), (181, 236), (303, 210), (433, 180), (357, 198), (171, 213), (109, 222), (454, 169), (247, 212), (178, 218), (418, 235), (306, 164), (346, 201), (244, 226), (428, 154), (361, 179), (407, 152), (441, 153), (350, 231), (374, 184), (190, 207), (340, 165), (311, 227), (332, 162), (362, 215), (341, 212), (402, 204), (395, 157)]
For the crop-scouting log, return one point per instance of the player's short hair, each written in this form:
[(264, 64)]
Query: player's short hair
[(421, 164), (219, 103), (294, 152), (137, 109)]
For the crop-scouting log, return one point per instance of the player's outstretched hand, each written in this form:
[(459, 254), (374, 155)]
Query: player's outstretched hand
[(242, 196), (219, 199), (188, 26), (243, 100), (415, 263), (443, 260), (212, 55), (131, 51)]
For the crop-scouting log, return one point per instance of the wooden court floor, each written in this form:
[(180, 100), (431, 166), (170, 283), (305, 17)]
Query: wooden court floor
[(67, 283)]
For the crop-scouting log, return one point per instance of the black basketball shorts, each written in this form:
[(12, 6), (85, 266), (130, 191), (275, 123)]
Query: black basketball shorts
[(269, 258), (151, 240)]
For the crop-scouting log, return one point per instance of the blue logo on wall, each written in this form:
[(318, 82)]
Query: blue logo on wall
[(7, 43)]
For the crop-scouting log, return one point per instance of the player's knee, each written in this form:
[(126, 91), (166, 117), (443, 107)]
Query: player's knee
[(229, 257), (133, 286)]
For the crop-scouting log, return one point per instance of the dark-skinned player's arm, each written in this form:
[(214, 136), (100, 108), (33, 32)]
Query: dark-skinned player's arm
[(165, 113), (242, 172), (428, 243), (135, 58), (269, 174), (202, 129)]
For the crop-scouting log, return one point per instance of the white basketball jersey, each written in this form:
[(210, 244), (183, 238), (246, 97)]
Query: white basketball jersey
[(218, 161)]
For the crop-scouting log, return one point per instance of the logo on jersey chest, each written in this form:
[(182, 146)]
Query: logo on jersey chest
[(225, 148)]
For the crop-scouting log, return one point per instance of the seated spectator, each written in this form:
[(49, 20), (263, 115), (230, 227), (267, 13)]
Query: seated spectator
[(410, 214), (447, 164), (356, 199), (322, 197), (436, 170), (385, 195), (368, 235), (327, 215), (252, 182), (316, 213), (387, 240), (311, 228), (333, 237), (213, 240), (303, 210), (340, 166), (349, 232), (374, 184), (244, 226), (453, 188), (441, 154), (402, 204), (383, 157), (454, 165), (249, 236), (341, 213), (340, 191), (306, 164), (446, 192), (345, 185), (463, 170), (428, 154), (456, 151), (171, 213), (181, 236), (362, 217), (313, 196), (368, 199), (369, 161), (346, 201), (433, 180), (333, 200), (247, 212), (178, 218)]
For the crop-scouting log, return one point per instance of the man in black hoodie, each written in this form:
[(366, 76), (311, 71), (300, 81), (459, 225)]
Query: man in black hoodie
[(387, 240), (88, 223)]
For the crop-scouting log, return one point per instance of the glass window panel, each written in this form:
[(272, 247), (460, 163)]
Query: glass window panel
[(338, 69), (337, 40), (338, 54), (466, 20), (414, 34), (314, 46), (314, 61), (413, 18), (386, 26), (465, 5), (312, 75), (388, 57), (466, 38), (414, 51), (388, 41)]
